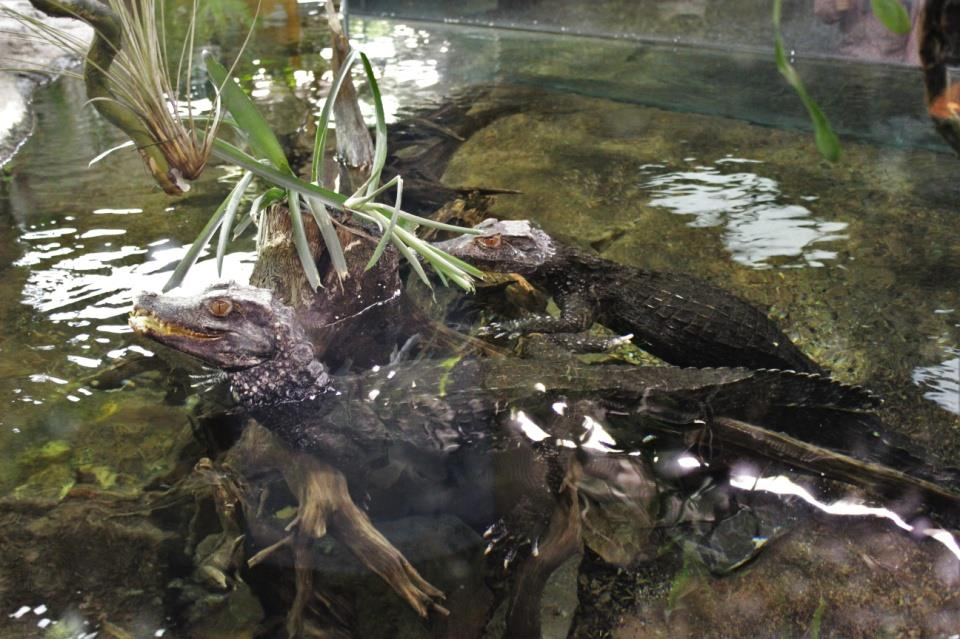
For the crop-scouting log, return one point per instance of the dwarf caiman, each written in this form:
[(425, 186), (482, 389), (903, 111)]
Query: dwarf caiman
[(681, 319), (439, 407), (436, 405), (471, 418)]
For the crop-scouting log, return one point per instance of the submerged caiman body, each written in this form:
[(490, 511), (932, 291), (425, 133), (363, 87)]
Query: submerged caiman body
[(432, 408), (440, 407), (681, 319), (510, 443)]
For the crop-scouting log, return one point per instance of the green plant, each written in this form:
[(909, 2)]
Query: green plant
[(129, 77), (135, 84), (890, 13), (826, 139), (268, 161)]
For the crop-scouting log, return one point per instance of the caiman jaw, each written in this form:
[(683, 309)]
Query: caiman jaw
[(146, 323)]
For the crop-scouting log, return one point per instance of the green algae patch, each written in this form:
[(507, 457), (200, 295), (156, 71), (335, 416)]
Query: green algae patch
[(691, 579), (448, 365), (52, 483), (118, 441), (286, 513), (57, 450), (817, 620), (103, 476)]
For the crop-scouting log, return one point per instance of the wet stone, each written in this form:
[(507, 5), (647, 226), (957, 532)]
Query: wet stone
[(867, 579), (85, 561)]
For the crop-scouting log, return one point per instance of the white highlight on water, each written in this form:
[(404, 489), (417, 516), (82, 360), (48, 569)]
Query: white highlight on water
[(781, 485)]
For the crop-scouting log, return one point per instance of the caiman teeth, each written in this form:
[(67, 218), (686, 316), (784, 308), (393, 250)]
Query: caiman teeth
[(147, 323)]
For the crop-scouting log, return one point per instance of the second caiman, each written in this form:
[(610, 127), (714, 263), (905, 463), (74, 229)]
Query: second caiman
[(681, 319)]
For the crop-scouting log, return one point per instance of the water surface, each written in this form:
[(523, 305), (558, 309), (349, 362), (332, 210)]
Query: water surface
[(627, 148)]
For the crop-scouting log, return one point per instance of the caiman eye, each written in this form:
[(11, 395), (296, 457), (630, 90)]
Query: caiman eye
[(490, 241), (220, 308)]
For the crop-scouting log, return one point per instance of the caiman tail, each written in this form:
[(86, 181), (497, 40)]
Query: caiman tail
[(751, 395)]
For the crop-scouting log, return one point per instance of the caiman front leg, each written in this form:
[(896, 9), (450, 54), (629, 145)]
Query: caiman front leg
[(559, 335), (576, 315)]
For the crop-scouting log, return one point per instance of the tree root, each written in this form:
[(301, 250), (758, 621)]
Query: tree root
[(326, 506)]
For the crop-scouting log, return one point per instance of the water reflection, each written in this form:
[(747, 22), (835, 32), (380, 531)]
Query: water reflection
[(81, 277), (942, 382), (100, 285), (762, 231)]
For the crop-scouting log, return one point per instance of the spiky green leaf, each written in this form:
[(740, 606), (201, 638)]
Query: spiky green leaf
[(320, 141), (388, 232), (329, 235), (380, 139), (188, 260), (826, 140), (233, 203), (248, 118), (259, 203), (226, 151), (300, 241)]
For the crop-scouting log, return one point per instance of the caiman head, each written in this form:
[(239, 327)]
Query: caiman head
[(242, 330), (504, 246)]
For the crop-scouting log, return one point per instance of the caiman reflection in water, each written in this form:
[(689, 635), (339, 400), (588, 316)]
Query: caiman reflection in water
[(515, 445)]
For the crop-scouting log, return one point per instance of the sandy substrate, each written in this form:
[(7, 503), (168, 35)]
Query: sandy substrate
[(21, 50)]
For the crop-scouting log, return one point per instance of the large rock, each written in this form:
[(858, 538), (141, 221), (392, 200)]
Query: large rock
[(27, 55), (861, 578)]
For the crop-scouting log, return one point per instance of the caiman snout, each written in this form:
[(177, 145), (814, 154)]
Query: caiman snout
[(149, 319)]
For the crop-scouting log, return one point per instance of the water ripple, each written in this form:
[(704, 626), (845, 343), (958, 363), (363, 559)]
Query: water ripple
[(99, 285), (942, 381), (762, 231)]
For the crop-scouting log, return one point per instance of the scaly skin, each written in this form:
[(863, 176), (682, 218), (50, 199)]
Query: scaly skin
[(439, 406), (680, 319), (466, 425)]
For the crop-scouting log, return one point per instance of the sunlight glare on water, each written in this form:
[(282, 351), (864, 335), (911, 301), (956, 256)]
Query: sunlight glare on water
[(941, 382), (782, 485), (761, 229)]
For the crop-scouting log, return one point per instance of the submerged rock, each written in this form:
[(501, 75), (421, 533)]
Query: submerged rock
[(827, 578), (86, 559)]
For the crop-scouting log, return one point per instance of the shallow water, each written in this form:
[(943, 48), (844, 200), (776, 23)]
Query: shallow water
[(859, 262)]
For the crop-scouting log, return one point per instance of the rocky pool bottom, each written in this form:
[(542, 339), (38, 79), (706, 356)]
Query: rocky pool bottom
[(112, 527)]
